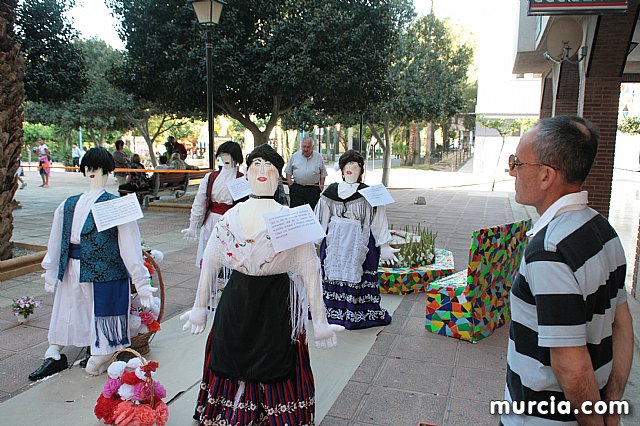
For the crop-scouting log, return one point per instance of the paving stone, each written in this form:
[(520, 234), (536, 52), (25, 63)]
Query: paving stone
[(483, 357), (179, 296), (499, 338), (21, 337), (464, 412), (478, 385), (368, 368), (171, 279), (14, 371), (415, 376), (397, 324), (418, 308), (327, 421), (349, 400), (383, 344), (386, 406), (173, 309), (422, 348)]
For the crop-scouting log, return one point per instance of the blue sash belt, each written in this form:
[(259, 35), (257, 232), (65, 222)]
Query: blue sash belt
[(74, 251)]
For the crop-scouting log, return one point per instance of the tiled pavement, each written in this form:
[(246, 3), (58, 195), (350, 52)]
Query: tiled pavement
[(408, 376)]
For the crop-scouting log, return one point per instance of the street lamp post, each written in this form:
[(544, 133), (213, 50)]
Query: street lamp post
[(208, 13)]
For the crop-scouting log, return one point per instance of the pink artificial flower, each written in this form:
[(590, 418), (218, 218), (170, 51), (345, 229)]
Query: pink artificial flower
[(110, 388), (140, 392), (162, 413), (159, 391), (125, 414), (145, 415), (146, 317)]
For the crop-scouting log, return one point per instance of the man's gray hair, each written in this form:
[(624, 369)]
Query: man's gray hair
[(569, 143), (308, 139)]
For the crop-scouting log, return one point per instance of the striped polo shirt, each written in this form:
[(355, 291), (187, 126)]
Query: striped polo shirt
[(570, 282)]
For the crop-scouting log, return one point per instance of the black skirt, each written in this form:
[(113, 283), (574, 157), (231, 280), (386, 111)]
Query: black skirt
[(251, 333)]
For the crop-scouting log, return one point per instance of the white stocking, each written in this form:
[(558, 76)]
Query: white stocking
[(97, 364), (53, 352)]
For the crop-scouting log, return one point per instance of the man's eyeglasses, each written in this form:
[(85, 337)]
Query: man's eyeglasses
[(513, 162)]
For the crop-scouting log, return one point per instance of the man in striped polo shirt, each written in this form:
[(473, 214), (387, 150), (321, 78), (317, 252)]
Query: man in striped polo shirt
[(571, 337)]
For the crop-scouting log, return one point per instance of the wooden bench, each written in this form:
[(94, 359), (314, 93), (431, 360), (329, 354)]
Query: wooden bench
[(161, 182), (195, 177)]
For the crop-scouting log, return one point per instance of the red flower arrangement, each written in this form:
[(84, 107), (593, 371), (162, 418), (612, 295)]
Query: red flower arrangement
[(131, 397)]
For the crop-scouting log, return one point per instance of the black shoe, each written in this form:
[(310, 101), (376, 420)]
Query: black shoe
[(49, 367)]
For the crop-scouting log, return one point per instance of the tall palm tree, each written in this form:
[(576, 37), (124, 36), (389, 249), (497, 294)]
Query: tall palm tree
[(11, 99)]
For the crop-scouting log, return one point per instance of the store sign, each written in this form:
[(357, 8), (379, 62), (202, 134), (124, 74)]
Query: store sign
[(577, 7)]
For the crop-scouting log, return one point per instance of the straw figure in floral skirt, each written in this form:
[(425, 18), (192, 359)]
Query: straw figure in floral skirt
[(357, 239), (257, 369)]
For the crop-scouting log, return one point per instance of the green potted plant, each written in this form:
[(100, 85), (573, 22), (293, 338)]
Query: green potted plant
[(23, 307)]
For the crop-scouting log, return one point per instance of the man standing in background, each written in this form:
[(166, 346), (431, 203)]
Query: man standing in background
[(122, 162), (305, 175), (76, 153)]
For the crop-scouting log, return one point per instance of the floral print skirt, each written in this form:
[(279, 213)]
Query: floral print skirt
[(287, 402)]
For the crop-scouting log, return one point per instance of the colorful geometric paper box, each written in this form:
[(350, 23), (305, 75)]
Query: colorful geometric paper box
[(471, 304), (415, 280)]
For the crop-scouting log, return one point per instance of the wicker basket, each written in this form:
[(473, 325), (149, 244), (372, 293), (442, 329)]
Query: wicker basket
[(140, 343)]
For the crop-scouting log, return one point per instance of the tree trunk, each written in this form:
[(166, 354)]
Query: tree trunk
[(103, 135), (416, 145), (412, 146), (11, 99), (152, 152), (259, 137), (429, 144), (386, 155)]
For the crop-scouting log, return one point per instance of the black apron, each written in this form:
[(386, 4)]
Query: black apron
[(251, 333)]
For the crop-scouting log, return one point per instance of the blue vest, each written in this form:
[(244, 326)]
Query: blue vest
[(100, 259)]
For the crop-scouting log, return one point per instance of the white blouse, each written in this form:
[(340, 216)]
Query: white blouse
[(231, 248), (128, 241)]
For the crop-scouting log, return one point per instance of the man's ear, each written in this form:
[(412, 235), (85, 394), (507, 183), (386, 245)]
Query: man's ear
[(548, 177)]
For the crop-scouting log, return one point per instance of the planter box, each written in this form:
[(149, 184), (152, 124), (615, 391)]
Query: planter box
[(22, 265), (416, 279)]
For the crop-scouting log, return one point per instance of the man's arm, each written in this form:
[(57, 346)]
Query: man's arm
[(572, 367), (622, 336), (289, 179), (321, 184)]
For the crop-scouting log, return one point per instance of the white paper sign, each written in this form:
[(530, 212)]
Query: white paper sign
[(377, 195), (293, 228), (239, 188), (116, 212)]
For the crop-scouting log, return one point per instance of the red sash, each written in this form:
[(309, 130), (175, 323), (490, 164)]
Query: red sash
[(212, 206)]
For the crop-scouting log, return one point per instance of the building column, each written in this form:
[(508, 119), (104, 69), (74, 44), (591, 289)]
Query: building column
[(568, 89), (636, 271), (602, 94), (546, 105), (601, 108)]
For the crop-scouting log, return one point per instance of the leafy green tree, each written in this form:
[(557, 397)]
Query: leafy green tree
[(630, 125), (506, 128), (427, 80), (269, 56), (54, 68)]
